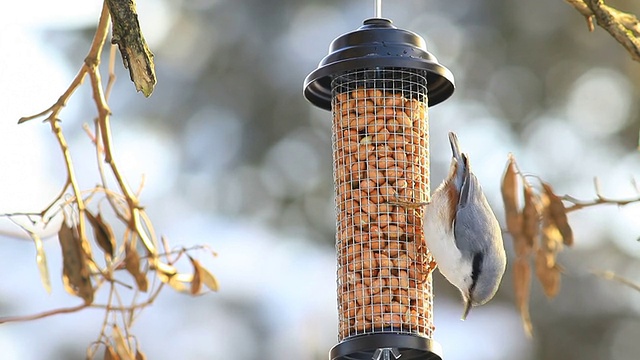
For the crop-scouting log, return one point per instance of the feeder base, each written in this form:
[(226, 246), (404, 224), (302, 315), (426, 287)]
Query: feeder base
[(387, 347)]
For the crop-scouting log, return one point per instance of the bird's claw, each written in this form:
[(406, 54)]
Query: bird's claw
[(406, 204)]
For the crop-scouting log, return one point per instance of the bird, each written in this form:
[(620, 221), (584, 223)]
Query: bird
[(463, 234)]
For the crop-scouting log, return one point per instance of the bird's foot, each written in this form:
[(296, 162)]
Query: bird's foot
[(406, 204)]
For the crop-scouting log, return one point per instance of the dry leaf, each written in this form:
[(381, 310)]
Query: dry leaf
[(41, 260), (132, 264), (140, 355), (75, 272), (509, 189), (169, 275), (179, 282), (122, 346), (522, 288), (196, 283), (558, 214), (202, 276), (103, 233), (110, 353), (208, 279), (164, 270), (530, 216)]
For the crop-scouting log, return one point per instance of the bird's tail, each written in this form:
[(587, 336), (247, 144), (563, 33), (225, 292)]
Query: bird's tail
[(455, 146)]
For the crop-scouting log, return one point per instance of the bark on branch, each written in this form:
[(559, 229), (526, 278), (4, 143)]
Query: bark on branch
[(136, 55), (624, 27)]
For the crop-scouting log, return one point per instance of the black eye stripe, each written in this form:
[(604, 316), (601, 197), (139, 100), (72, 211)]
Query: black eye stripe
[(475, 270)]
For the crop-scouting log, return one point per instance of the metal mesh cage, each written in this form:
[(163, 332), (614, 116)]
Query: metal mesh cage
[(380, 154)]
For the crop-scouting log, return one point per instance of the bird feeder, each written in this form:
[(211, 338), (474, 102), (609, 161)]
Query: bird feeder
[(378, 82)]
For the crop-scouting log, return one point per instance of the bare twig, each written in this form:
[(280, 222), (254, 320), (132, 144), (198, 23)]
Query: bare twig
[(71, 200), (105, 133), (55, 109), (584, 10), (121, 212), (44, 314), (67, 310), (610, 275), (112, 71), (599, 200), (92, 58), (140, 305)]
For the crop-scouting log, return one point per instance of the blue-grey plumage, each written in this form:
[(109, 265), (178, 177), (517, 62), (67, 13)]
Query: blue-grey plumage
[(463, 234)]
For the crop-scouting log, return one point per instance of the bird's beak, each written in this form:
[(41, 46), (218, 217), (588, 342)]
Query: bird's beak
[(467, 308)]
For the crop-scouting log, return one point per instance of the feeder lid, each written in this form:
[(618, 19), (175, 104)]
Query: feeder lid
[(377, 44)]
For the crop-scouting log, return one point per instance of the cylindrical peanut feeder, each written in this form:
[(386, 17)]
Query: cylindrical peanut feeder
[(378, 81)]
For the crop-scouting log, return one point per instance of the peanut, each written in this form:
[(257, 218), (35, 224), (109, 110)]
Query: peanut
[(380, 155)]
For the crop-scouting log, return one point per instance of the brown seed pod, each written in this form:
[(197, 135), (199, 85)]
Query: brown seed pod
[(522, 288), (522, 282), (549, 277), (530, 217), (558, 214), (509, 190)]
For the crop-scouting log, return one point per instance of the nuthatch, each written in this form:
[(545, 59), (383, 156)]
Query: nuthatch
[(463, 234)]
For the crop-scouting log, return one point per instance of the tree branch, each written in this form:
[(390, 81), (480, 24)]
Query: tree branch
[(136, 55), (599, 200), (623, 27), (584, 10)]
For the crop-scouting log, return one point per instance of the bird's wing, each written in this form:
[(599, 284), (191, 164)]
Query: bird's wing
[(471, 214), (469, 184)]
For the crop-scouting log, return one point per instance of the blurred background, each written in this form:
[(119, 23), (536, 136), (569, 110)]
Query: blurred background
[(235, 157)]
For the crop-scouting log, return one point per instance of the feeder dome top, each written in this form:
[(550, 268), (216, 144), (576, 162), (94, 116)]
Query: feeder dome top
[(377, 44)]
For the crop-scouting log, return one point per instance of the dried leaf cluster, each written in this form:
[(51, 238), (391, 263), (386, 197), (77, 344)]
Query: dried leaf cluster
[(539, 229), (110, 247)]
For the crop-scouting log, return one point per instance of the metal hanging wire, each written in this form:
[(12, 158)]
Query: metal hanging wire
[(377, 8)]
